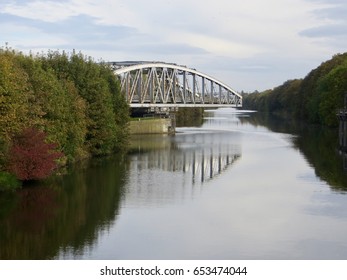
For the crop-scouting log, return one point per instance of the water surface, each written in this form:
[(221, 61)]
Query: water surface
[(238, 187)]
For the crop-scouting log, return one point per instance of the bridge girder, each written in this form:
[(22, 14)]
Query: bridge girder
[(158, 84)]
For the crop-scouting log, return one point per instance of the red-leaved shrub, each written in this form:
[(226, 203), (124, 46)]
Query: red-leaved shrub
[(30, 157)]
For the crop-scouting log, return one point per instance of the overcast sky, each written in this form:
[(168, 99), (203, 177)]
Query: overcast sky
[(248, 44)]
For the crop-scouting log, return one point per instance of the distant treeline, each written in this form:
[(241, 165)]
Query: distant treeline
[(72, 99), (315, 99)]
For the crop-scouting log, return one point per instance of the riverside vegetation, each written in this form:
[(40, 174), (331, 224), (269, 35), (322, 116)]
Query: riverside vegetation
[(56, 108), (314, 99)]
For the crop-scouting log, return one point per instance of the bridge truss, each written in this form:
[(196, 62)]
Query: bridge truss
[(158, 84)]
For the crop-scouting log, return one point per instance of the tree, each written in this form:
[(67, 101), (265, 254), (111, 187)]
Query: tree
[(315, 98), (106, 112), (62, 110), (332, 89), (73, 99), (30, 157), (15, 112)]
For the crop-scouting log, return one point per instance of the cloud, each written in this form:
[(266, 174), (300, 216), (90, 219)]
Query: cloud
[(333, 22), (73, 32), (41, 10), (326, 31), (255, 43), (334, 13)]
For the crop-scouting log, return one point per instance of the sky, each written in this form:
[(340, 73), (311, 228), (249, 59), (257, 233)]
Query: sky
[(248, 44)]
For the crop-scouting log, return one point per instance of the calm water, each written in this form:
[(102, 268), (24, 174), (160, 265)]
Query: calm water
[(241, 186)]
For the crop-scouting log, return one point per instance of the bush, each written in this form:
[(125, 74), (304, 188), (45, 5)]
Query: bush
[(30, 157), (8, 181)]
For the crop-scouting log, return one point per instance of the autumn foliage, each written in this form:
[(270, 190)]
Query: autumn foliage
[(30, 157), (76, 101)]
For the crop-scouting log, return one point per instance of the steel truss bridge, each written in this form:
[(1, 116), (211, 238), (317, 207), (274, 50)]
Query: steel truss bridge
[(167, 85)]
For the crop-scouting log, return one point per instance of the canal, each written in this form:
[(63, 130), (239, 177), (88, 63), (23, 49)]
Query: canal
[(240, 186)]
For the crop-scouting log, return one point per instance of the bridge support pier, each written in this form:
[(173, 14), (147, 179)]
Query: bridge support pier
[(154, 124)]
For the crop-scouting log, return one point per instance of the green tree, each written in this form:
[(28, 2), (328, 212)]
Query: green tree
[(61, 108), (106, 110), (120, 108), (331, 89), (15, 94), (74, 100), (310, 95), (315, 98)]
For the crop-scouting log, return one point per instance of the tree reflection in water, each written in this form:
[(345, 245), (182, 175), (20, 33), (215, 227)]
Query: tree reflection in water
[(65, 215)]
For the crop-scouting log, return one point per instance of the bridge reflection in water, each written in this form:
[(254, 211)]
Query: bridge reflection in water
[(164, 167)]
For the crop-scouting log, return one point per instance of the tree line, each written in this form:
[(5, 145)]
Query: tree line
[(63, 104), (315, 98)]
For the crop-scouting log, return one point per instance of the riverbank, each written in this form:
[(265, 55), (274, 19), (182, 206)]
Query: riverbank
[(314, 99)]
